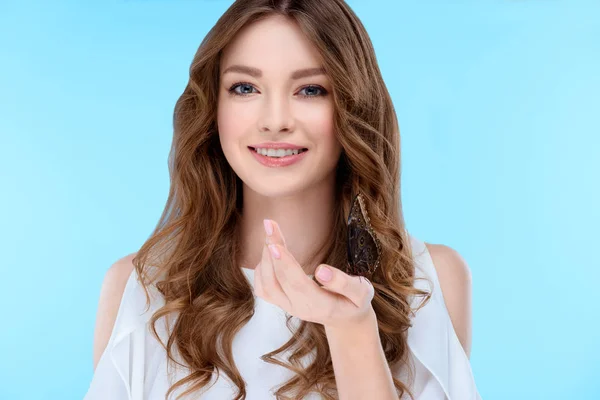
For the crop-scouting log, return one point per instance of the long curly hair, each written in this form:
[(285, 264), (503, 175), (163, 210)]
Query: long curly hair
[(194, 248)]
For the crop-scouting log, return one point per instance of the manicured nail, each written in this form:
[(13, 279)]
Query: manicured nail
[(324, 274), (274, 251), (268, 226)]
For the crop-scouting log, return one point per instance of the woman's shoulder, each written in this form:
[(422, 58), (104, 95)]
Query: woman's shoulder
[(454, 276), (116, 277), (133, 298), (434, 336), (125, 303), (111, 294), (448, 278), (121, 366)]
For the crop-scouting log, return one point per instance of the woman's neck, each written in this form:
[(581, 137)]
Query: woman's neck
[(305, 219)]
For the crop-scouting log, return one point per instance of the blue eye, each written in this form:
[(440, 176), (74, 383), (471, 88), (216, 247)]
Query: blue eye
[(313, 87), (248, 87), (238, 85)]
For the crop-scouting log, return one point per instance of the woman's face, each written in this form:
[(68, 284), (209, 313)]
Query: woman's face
[(276, 104)]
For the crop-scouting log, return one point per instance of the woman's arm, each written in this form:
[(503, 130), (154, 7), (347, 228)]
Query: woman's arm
[(359, 363), (361, 370)]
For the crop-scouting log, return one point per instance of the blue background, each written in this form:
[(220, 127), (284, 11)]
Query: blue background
[(498, 104)]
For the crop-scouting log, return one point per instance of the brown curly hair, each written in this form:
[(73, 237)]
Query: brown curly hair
[(195, 246)]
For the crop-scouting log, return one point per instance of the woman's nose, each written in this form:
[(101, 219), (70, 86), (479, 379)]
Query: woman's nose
[(276, 114)]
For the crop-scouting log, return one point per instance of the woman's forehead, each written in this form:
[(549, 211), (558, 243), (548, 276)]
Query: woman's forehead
[(274, 46)]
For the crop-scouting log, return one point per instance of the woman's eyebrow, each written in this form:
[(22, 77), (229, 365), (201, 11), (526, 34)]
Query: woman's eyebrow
[(257, 73)]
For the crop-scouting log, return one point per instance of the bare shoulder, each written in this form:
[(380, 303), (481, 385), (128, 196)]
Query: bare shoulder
[(455, 279), (111, 293)]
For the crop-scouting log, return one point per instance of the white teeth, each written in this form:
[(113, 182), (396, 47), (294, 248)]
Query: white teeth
[(277, 152)]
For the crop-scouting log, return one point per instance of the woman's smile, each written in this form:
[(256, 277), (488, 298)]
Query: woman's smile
[(278, 158)]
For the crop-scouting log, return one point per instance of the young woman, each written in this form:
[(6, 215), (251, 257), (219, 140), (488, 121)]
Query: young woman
[(284, 120)]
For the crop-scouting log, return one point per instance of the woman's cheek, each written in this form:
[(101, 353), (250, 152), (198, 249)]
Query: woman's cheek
[(322, 126), (231, 121), (228, 130)]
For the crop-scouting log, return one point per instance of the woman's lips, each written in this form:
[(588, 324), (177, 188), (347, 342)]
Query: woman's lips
[(277, 161)]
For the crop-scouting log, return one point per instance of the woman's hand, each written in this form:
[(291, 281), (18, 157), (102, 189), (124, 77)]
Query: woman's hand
[(343, 301)]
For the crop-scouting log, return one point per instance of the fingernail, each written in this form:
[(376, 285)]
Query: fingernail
[(274, 251), (268, 226), (324, 273)]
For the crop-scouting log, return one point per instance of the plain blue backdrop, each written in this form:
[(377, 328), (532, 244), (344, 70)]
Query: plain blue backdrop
[(498, 104)]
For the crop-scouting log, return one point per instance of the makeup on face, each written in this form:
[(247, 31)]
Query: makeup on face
[(278, 157)]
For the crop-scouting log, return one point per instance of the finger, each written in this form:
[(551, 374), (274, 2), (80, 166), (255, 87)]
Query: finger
[(290, 275), (274, 234), (356, 288), (272, 290)]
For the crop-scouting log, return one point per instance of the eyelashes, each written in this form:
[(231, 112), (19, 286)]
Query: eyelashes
[(232, 90)]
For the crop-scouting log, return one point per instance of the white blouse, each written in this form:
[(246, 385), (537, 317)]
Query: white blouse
[(134, 365)]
